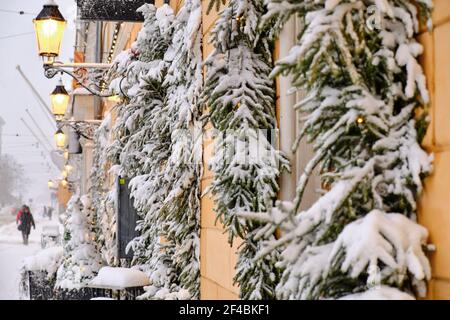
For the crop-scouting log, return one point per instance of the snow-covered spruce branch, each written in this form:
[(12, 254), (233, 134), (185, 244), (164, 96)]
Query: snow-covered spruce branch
[(246, 165), (362, 87), (81, 260), (104, 202), (159, 146), (183, 170), (143, 141)]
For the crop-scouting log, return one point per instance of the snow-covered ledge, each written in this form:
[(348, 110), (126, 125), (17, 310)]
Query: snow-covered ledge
[(119, 278)]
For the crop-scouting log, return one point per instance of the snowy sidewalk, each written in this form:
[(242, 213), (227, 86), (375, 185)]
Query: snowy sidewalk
[(12, 252)]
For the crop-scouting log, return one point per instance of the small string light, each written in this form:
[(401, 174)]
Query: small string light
[(326, 186), (102, 85), (113, 43), (240, 19), (360, 120)]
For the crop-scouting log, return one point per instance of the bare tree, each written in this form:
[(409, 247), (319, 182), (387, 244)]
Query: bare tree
[(13, 182)]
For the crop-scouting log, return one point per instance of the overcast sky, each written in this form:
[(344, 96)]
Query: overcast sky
[(16, 96)]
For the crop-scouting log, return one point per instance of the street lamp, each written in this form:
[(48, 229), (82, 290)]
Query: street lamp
[(50, 184), (115, 98), (68, 168), (66, 154), (60, 100), (49, 26), (64, 182), (60, 139), (64, 174)]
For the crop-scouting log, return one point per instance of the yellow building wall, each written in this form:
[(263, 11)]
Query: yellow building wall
[(434, 205), (63, 194)]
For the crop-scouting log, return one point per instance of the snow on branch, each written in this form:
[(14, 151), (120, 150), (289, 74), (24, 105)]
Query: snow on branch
[(391, 240), (363, 84)]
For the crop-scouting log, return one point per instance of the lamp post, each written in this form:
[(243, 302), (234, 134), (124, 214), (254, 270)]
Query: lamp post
[(60, 139), (64, 182), (60, 101), (84, 128), (49, 26), (68, 168)]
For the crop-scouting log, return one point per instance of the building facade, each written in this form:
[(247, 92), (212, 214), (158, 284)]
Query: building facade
[(98, 42), (434, 205)]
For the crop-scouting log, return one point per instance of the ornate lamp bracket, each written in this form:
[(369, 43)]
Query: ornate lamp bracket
[(85, 128), (89, 75)]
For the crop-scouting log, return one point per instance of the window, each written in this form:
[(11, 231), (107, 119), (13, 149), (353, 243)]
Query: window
[(290, 126), (127, 219)]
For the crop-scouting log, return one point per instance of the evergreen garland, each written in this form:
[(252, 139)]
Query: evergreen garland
[(104, 203), (363, 86), (155, 146), (246, 165), (183, 170), (80, 261), (142, 146)]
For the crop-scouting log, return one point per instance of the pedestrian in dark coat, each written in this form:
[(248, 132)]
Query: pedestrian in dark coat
[(25, 220), (50, 212)]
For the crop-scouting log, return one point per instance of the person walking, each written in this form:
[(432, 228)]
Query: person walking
[(25, 220), (50, 212)]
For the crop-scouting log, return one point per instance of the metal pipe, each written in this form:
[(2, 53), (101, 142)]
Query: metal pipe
[(46, 108), (39, 128), (35, 135), (39, 140)]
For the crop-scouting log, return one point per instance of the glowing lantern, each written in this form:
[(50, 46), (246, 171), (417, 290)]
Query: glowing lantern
[(49, 26), (60, 101), (60, 139)]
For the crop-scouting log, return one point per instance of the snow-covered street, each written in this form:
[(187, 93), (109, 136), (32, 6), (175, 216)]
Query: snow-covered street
[(12, 253)]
